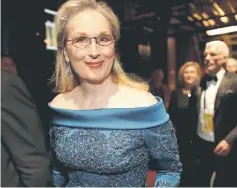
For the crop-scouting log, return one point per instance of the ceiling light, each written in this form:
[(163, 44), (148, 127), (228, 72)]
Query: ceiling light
[(205, 15), (191, 19), (222, 30), (205, 23), (211, 22), (215, 13), (219, 9), (224, 19), (197, 16)]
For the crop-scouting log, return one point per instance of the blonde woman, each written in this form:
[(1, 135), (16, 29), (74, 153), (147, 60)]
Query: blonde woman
[(105, 126), (183, 113)]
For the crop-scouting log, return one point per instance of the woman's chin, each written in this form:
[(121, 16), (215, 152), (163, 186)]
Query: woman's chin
[(96, 81)]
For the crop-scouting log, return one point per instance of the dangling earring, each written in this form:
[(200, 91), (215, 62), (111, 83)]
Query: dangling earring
[(69, 70)]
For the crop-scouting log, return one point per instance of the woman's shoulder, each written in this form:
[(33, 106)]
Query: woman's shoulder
[(58, 100), (137, 97), (62, 100)]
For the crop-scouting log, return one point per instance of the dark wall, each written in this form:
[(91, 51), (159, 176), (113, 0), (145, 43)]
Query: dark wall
[(21, 20)]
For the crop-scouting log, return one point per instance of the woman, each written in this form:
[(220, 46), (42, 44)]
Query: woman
[(105, 126), (183, 113)]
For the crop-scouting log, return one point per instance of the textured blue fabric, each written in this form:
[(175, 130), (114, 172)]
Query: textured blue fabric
[(122, 118), (112, 147)]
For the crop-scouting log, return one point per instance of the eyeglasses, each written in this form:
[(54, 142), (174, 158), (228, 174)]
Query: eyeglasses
[(83, 41)]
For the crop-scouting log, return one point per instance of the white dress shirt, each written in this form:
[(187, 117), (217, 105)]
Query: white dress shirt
[(209, 95)]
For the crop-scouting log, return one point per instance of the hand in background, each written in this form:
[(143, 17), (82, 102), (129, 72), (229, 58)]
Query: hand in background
[(223, 148)]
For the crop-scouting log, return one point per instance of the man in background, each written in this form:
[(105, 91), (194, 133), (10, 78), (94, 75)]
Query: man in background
[(231, 65), (216, 143), (8, 64), (24, 157)]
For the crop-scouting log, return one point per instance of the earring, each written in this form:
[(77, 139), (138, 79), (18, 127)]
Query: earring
[(69, 70)]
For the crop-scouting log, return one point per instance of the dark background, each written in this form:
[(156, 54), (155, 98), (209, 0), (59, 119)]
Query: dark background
[(22, 19)]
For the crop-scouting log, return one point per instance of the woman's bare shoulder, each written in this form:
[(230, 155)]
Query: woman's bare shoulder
[(58, 101), (62, 100), (138, 97)]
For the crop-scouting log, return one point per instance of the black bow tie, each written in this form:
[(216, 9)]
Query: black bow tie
[(210, 78)]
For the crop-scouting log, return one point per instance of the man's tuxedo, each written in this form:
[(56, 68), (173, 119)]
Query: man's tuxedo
[(24, 157), (225, 117), (225, 128)]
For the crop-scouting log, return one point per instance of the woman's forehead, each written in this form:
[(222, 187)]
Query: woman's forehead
[(88, 22)]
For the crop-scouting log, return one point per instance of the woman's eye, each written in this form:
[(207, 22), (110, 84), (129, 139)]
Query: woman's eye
[(81, 40), (105, 38)]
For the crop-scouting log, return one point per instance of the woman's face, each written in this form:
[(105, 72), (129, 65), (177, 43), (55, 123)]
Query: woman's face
[(190, 75), (93, 62)]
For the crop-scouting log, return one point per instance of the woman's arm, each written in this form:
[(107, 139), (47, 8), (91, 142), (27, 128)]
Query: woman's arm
[(162, 148)]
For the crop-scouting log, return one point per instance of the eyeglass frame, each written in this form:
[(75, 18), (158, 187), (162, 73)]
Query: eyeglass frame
[(90, 38)]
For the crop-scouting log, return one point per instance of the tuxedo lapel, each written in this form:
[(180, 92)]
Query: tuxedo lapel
[(221, 91)]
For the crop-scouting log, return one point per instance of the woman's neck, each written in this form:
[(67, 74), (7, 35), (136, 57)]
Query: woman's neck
[(89, 94), (187, 89)]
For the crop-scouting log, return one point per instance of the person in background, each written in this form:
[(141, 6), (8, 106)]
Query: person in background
[(216, 144), (231, 65), (8, 64), (105, 126), (24, 157), (157, 87), (183, 113)]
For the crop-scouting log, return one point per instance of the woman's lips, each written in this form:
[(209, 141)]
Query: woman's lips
[(94, 64)]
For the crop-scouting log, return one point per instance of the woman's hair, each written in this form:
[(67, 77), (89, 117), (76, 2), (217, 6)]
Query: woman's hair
[(64, 82), (189, 64)]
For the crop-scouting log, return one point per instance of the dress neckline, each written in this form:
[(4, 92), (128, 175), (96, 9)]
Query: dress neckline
[(111, 118)]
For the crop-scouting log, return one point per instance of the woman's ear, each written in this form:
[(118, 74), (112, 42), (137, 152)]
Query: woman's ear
[(65, 55)]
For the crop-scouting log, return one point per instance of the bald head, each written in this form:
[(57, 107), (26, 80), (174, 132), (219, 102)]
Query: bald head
[(231, 65), (8, 64)]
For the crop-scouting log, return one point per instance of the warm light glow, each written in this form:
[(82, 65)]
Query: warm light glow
[(205, 15), (212, 22), (236, 16), (215, 13), (223, 30), (197, 16), (224, 19), (190, 18), (205, 23), (220, 11)]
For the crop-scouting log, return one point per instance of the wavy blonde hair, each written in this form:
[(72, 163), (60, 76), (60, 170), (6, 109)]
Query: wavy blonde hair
[(64, 82), (189, 64)]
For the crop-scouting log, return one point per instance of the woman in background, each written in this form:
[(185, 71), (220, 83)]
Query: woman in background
[(183, 113), (105, 126)]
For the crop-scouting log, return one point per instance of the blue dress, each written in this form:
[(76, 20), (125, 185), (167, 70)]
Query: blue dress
[(112, 147)]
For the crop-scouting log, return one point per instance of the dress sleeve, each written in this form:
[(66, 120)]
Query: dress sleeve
[(58, 179), (59, 174), (162, 147)]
